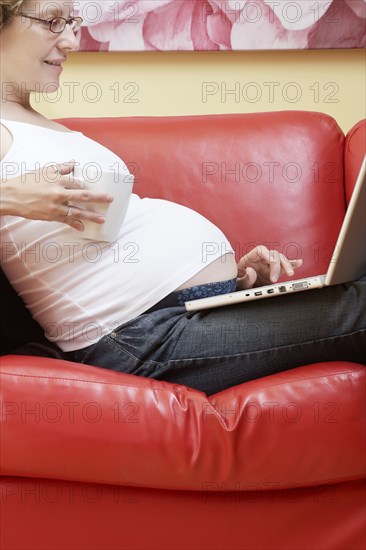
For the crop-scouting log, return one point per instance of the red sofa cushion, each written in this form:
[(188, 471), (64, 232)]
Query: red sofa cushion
[(298, 428), (263, 178)]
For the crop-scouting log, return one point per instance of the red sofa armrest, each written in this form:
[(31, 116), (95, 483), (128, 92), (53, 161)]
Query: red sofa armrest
[(354, 152), (300, 427)]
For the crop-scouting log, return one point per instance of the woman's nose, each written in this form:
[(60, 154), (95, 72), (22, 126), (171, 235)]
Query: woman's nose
[(68, 40)]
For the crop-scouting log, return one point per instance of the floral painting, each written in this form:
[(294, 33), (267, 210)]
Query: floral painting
[(166, 25)]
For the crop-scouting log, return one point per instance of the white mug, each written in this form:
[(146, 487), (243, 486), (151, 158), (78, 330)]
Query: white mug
[(117, 184)]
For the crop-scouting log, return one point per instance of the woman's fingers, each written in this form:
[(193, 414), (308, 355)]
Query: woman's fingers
[(269, 264), (86, 195), (75, 206), (296, 263), (283, 265), (66, 167), (77, 194), (280, 264), (53, 172), (76, 224), (70, 210), (62, 174), (71, 184), (247, 280), (242, 266), (84, 214)]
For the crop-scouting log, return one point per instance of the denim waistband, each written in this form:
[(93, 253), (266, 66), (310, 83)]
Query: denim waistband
[(175, 299), (178, 297)]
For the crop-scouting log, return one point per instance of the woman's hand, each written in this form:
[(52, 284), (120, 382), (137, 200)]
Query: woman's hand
[(263, 267), (45, 195)]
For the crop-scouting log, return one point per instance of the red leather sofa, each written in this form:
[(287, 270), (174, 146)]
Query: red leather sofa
[(97, 460)]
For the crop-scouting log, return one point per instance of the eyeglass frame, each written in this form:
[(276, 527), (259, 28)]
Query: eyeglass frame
[(50, 21)]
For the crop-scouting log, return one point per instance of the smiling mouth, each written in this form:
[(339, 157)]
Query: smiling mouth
[(54, 63)]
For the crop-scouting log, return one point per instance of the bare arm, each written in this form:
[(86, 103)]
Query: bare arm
[(44, 195)]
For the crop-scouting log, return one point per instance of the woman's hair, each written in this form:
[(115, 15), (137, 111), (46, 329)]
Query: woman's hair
[(8, 8)]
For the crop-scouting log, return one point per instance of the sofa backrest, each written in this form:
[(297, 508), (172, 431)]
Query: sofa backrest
[(272, 178), (354, 152), (17, 326)]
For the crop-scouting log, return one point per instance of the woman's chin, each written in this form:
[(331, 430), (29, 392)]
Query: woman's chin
[(47, 87), (51, 87)]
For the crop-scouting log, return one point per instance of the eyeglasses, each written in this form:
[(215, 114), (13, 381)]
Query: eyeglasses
[(58, 24)]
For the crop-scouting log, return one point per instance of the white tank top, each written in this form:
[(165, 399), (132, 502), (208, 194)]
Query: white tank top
[(80, 290)]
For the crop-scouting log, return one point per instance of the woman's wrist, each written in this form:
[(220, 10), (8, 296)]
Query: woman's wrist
[(9, 203)]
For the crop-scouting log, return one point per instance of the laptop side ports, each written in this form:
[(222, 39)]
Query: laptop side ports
[(300, 286)]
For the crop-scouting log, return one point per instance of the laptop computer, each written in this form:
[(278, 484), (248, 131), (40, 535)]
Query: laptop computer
[(348, 262)]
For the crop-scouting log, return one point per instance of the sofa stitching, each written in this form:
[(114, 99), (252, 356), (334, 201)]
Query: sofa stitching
[(163, 389), (81, 380), (351, 133), (305, 485)]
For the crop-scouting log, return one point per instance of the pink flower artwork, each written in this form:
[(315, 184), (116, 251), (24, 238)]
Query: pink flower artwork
[(173, 25)]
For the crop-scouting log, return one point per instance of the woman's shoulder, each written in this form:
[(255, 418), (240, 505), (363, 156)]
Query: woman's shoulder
[(12, 124), (32, 118), (6, 140), (23, 126)]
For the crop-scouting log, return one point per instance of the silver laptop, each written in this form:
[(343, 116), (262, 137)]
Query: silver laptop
[(348, 262)]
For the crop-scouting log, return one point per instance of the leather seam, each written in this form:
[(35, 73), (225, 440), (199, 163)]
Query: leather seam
[(88, 381), (178, 390)]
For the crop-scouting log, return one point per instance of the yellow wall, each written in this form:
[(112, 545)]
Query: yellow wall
[(180, 83)]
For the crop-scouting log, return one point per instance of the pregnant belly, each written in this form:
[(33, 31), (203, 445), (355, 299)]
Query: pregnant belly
[(221, 269)]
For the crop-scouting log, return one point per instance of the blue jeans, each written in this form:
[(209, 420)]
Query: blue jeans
[(212, 350)]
